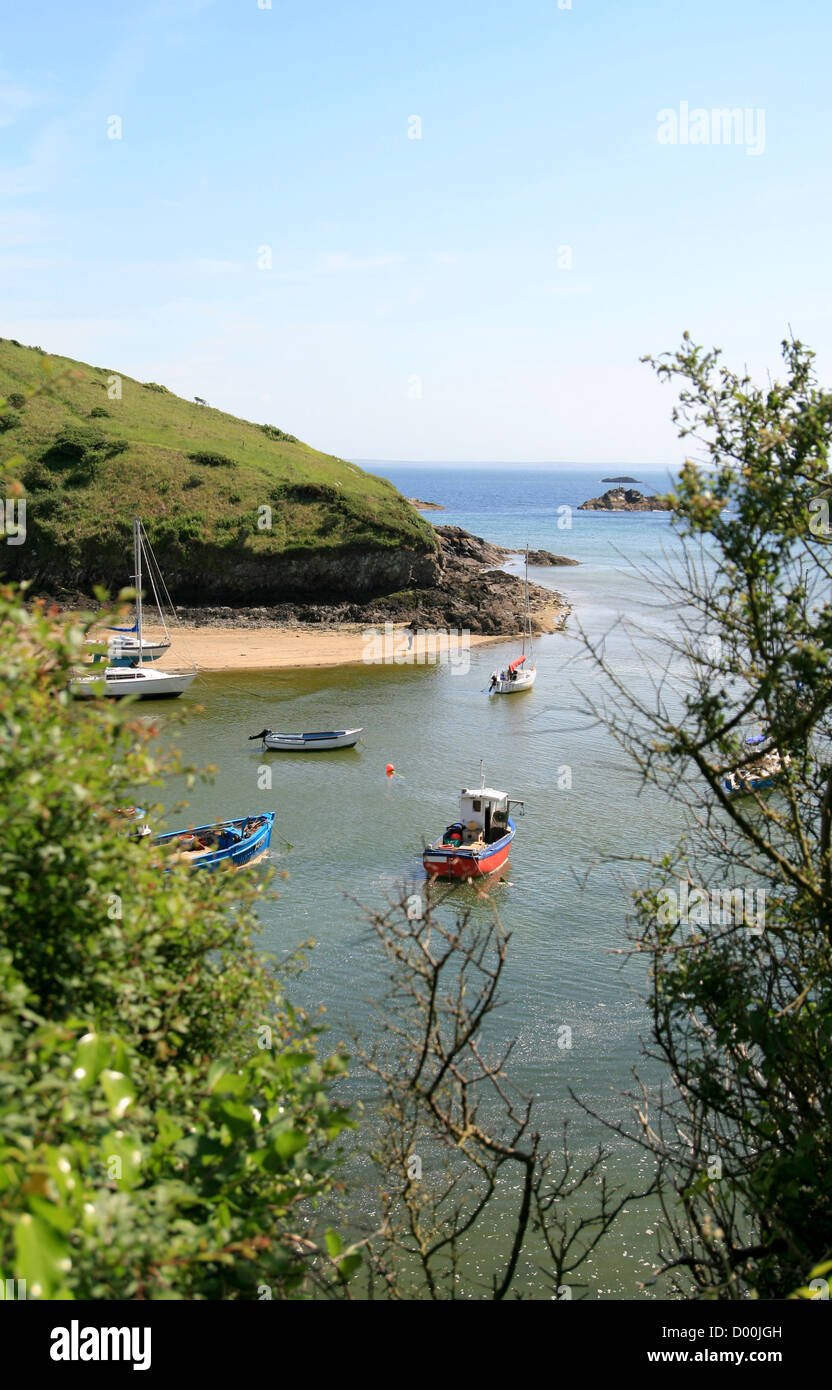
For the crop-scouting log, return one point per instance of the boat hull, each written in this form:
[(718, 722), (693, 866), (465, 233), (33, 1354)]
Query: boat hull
[(140, 684), (465, 862), (125, 651), (525, 680), (247, 849), (754, 784), (311, 743)]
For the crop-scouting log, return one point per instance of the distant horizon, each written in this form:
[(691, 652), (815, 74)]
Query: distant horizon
[(503, 463)]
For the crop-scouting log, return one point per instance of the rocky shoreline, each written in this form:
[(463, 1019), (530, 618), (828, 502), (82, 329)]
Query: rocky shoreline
[(471, 591)]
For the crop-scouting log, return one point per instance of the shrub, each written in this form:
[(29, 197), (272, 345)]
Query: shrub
[(9, 420), (82, 446), (272, 432), (135, 1036), (154, 386), (16, 400), (211, 460), (99, 413), (193, 480), (36, 478)]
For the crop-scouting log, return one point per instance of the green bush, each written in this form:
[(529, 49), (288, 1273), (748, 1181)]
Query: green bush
[(82, 447), (211, 460), (154, 386), (16, 400), (36, 478), (99, 413), (193, 480), (272, 432), (9, 420), (165, 1124)]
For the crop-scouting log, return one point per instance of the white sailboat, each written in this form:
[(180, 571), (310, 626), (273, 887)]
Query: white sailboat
[(520, 674), (136, 679)]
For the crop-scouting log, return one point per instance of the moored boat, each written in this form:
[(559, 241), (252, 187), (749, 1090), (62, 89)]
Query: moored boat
[(517, 675), (478, 843), (128, 676), (305, 743), (124, 649), (764, 772), (117, 681), (234, 842)]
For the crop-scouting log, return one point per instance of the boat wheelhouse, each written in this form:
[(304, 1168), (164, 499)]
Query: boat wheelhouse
[(478, 843)]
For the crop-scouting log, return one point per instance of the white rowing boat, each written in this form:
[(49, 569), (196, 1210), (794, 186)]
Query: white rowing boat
[(306, 743)]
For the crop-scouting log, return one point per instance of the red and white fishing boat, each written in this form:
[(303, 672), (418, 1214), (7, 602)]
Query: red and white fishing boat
[(478, 843)]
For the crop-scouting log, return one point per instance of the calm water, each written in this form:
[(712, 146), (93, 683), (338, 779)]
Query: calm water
[(353, 831)]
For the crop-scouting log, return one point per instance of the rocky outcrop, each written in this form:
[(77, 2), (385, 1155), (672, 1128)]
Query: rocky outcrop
[(544, 559), (629, 499), (466, 591), (619, 480), (425, 506), (486, 553)]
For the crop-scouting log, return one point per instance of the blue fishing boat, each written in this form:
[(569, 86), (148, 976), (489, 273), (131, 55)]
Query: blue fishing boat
[(236, 842), (759, 775)]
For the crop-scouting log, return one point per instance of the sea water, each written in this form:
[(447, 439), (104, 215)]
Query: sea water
[(356, 833)]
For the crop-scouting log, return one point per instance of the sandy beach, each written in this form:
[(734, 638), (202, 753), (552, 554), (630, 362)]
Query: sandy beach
[(286, 648)]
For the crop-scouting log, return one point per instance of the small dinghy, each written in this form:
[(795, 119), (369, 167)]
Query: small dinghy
[(305, 743), (236, 842), (478, 843)]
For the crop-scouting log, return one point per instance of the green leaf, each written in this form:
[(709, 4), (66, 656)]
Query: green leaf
[(334, 1243), (42, 1256)]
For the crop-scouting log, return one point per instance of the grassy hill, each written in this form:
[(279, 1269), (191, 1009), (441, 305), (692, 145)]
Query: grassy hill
[(89, 461)]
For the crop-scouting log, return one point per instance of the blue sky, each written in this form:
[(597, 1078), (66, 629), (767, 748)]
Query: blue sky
[(420, 302)]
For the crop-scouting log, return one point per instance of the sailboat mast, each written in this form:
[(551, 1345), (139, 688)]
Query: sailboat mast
[(137, 567), (527, 617)]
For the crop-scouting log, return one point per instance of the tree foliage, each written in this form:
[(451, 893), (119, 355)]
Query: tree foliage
[(740, 996), (165, 1121)]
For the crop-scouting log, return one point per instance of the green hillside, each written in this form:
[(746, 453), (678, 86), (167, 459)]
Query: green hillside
[(196, 476)]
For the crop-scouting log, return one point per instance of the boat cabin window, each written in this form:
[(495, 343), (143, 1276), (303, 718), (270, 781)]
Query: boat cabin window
[(477, 805)]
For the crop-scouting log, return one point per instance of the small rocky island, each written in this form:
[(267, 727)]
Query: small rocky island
[(619, 480), (620, 499)]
